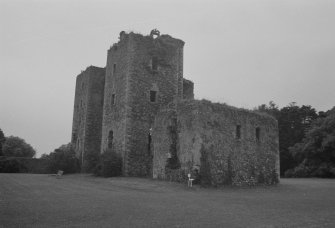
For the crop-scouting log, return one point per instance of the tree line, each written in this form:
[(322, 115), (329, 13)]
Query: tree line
[(306, 140)]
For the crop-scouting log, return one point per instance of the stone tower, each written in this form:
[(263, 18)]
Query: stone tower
[(143, 74), (87, 115)]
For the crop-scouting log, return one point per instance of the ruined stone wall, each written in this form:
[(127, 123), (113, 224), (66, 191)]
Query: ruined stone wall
[(207, 140), (87, 115), (188, 89), (80, 113), (165, 80)]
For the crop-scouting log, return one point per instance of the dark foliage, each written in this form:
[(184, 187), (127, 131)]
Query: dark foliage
[(63, 158), (2, 141), (315, 154), (22, 165), (293, 121), (17, 147), (173, 162), (11, 165), (205, 172), (91, 161), (110, 164)]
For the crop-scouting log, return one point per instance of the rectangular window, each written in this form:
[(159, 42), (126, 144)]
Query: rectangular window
[(154, 63), (114, 68), (153, 96), (238, 131), (258, 134), (113, 99)]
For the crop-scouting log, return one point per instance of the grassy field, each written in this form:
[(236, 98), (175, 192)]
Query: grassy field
[(28, 200)]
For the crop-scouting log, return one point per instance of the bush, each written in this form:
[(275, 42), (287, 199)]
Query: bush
[(177, 175), (299, 171), (324, 170), (22, 165), (311, 170), (63, 158), (11, 165), (110, 165)]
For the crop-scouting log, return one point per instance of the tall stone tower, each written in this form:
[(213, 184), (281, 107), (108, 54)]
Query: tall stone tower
[(143, 74), (87, 115)]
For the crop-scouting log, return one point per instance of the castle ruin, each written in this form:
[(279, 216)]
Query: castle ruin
[(140, 107)]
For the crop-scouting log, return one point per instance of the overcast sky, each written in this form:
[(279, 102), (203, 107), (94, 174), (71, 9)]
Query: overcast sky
[(242, 52)]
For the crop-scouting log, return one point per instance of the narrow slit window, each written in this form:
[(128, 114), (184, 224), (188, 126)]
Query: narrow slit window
[(110, 139), (153, 96), (149, 144), (114, 68), (238, 131), (113, 99), (258, 134), (154, 63)]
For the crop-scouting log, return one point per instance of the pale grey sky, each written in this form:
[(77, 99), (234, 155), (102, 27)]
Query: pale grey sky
[(242, 52)]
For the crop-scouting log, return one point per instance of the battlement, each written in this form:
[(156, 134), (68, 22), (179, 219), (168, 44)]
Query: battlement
[(154, 36)]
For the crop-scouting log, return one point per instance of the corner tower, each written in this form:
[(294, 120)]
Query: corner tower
[(143, 74), (87, 116)]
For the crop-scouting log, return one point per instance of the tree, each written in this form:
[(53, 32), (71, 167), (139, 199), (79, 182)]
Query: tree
[(293, 121), (63, 158), (271, 109), (17, 147), (316, 153), (2, 141)]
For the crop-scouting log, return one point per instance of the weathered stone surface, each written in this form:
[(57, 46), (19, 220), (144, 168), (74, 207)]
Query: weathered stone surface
[(188, 89), (207, 142), (132, 115), (143, 109), (87, 115)]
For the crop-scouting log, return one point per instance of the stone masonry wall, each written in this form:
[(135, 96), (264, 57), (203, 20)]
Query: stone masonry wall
[(87, 116), (208, 141), (166, 81), (115, 116), (161, 142), (93, 130), (79, 113)]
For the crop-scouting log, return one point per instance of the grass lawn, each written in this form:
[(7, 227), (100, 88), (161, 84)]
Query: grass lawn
[(33, 200)]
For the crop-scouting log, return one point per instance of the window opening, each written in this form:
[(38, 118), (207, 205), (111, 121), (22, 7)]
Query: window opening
[(258, 134), (153, 96), (113, 99), (238, 131), (110, 139), (149, 144), (154, 63), (114, 68)]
